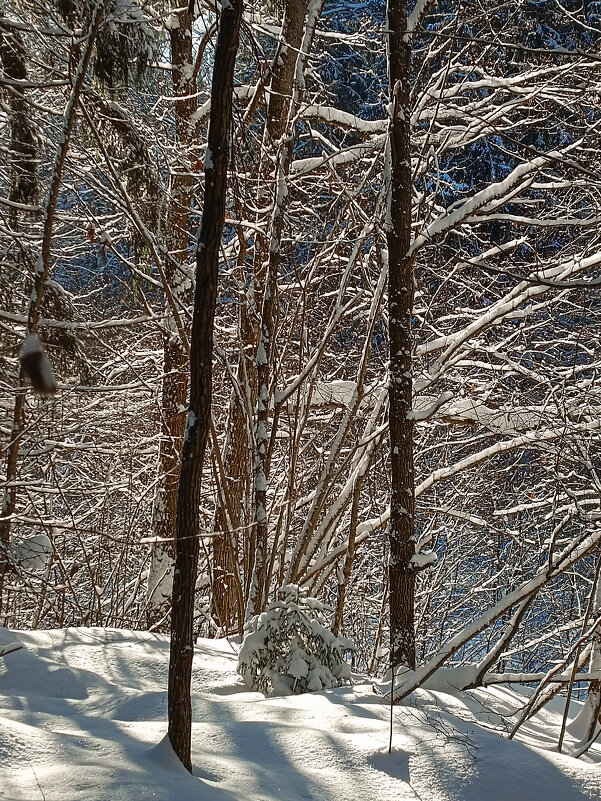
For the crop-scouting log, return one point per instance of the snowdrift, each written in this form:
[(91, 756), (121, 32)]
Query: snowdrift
[(83, 716)]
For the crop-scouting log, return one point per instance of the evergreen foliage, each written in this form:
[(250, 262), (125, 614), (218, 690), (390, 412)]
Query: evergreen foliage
[(289, 649)]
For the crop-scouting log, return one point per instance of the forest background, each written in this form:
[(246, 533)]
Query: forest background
[(480, 121)]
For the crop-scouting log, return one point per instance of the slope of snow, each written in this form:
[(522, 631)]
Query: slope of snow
[(83, 715)]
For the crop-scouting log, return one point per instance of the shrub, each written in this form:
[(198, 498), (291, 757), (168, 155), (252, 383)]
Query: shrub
[(288, 648)]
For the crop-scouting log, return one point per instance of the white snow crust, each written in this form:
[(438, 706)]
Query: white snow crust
[(83, 716)]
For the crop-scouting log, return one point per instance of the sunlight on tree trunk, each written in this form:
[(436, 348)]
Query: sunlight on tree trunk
[(175, 352), (199, 413)]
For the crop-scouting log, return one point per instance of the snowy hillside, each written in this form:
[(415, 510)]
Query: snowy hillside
[(83, 716)]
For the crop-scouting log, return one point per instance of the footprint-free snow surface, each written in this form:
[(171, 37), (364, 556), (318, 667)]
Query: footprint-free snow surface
[(83, 716)]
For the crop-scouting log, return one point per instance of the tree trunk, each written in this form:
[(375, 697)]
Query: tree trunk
[(199, 413), (279, 146), (588, 720), (257, 334), (402, 570), (23, 189), (175, 352), (226, 587)]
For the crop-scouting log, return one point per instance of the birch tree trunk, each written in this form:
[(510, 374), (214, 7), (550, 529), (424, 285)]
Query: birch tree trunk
[(258, 325), (199, 413), (279, 143)]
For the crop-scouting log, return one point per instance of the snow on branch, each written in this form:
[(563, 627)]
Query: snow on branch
[(499, 310), (416, 17), (573, 552), (344, 120), (483, 198), (345, 156), (426, 412)]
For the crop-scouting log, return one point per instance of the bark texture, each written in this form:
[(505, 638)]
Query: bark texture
[(284, 99), (402, 570), (175, 351), (258, 327), (199, 413)]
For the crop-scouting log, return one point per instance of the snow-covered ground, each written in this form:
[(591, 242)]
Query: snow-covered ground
[(83, 716)]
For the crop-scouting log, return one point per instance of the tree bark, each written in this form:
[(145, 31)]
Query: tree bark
[(199, 413), (284, 99), (402, 571), (175, 351), (258, 332)]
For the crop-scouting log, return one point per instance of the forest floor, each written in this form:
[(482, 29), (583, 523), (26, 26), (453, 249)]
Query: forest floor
[(83, 716)]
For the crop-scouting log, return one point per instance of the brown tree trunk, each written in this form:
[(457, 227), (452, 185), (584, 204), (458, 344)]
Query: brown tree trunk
[(199, 413), (23, 189), (227, 594), (23, 165), (175, 352), (278, 144), (402, 570)]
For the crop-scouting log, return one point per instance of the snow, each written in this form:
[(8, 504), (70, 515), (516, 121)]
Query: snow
[(31, 345), (172, 22), (344, 119), (32, 553), (83, 715), (334, 393), (190, 423), (425, 559)]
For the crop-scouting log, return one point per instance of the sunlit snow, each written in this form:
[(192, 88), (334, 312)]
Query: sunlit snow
[(83, 716)]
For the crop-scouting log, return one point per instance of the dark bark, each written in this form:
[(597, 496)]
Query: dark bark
[(175, 355), (23, 189), (23, 154), (402, 571), (199, 414)]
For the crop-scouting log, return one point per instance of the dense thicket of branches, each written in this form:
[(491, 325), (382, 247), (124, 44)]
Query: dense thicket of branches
[(492, 145)]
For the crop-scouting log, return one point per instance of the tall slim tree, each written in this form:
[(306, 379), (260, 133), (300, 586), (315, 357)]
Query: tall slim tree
[(201, 354), (400, 306), (23, 190), (175, 356)]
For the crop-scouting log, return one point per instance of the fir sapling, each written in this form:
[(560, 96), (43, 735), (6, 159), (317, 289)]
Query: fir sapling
[(289, 649)]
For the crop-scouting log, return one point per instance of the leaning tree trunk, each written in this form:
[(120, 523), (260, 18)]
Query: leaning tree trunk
[(284, 99), (175, 351), (199, 413), (402, 570), (588, 720)]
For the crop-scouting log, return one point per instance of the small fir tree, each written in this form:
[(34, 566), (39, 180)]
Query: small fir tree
[(289, 649)]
